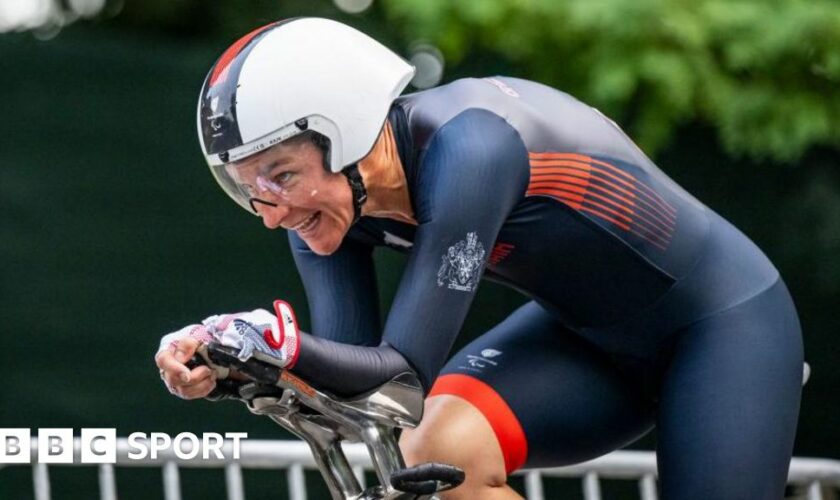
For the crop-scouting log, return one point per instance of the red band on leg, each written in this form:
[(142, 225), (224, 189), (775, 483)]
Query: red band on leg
[(505, 425)]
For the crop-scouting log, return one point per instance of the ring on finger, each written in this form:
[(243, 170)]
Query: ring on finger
[(174, 392)]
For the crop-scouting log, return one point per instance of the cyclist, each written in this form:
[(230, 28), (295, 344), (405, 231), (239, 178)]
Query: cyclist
[(647, 308)]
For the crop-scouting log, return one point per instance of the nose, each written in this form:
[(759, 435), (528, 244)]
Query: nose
[(272, 216)]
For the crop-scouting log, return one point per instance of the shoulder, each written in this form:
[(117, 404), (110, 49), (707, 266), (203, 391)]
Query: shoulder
[(475, 153), (476, 137)]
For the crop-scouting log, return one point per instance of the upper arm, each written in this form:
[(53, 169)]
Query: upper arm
[(341, 291), (474, 172)]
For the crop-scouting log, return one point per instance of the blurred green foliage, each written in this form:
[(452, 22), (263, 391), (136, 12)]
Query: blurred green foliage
[(764, 73)]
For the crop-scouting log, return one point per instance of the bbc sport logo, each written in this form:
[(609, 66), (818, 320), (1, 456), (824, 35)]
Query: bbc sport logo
[(99, 445)]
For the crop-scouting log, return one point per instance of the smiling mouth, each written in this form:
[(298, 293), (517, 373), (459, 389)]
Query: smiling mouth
[(308, 224)]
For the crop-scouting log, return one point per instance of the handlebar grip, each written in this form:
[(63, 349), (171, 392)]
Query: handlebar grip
[(195, 362), (426, 479), (202, 357), (225, 388), (256, 370)]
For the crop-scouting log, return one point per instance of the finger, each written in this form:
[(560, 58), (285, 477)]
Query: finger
[(174, 391), (162, 358), (198, 390), (186, 348), (173, 368), (200, 374), (167, 361), (196, 376), (172, 381)]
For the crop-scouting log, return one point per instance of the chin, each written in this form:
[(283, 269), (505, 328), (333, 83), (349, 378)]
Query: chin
[(324, 248), (328, 238)]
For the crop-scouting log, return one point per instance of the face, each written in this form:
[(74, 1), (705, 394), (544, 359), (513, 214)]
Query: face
[(291, 189)]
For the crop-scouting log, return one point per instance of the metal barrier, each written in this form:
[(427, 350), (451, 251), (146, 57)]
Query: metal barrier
[(814, 475)]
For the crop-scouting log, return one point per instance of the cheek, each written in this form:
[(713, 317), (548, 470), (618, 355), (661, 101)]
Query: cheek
[(331, 198)]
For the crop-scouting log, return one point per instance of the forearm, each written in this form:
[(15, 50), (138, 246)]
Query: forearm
[(347, 370)]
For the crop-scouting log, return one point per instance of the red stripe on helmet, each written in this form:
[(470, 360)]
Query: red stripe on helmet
[(220, 72)]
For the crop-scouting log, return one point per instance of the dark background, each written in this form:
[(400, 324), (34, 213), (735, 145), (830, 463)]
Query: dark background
[(112, 233)]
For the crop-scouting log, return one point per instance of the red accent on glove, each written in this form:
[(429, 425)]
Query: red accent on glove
[(268, 335), (296, 348)]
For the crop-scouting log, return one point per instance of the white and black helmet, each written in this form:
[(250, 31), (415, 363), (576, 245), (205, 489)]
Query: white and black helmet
[(296, 75)]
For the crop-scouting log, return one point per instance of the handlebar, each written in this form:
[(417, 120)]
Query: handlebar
[(222, 359), (426, 479), (324, 421)]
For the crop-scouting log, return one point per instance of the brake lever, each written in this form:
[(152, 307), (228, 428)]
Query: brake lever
[(428, 478)]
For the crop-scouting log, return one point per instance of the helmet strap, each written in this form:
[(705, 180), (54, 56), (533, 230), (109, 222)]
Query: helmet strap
[(357, 186)]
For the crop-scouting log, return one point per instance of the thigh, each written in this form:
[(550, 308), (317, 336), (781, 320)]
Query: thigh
[(730, 402), (550, 397)]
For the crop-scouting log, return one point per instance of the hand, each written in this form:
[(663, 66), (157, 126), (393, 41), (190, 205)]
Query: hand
[(257, 333), (273, 338), (180, 380)]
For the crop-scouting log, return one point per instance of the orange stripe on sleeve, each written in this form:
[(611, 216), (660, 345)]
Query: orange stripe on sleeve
[(614, 181), (607, 195), (576, 157), (589, 159), (650, 192), (559, 188), (606, 217), (579, 203), (639, 215), (605, 191)]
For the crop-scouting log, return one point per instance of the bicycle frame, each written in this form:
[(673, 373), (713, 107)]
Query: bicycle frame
[(324, 422)]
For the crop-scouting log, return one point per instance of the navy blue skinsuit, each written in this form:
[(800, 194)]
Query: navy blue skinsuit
[(648, 309)]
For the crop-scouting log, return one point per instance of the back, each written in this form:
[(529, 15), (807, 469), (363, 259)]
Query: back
[(600, 232)]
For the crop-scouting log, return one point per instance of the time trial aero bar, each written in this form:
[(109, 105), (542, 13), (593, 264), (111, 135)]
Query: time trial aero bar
[(324, 421)]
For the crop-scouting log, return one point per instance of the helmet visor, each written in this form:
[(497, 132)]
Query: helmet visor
[(262, 179), (239, 192)]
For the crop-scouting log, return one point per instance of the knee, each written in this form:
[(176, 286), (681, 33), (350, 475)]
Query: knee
[(454, 432)]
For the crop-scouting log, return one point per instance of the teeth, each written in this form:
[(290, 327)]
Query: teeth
[(306, 222)]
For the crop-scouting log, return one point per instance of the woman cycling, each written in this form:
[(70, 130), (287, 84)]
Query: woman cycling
[(648, 310)]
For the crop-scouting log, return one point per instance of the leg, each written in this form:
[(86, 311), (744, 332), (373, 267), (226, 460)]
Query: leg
[(528, 392), (730, 402), (455, 432)]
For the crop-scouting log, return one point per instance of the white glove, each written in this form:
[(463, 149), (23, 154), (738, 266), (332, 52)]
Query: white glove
[(257, 333)]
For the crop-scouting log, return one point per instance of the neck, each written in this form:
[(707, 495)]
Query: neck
[(384, 178)]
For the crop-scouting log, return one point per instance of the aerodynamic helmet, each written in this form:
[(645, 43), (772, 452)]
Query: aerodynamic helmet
[(292, 76)]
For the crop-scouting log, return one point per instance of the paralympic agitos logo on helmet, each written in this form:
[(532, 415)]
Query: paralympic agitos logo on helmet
[(218, 96)]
